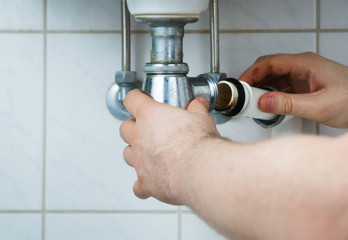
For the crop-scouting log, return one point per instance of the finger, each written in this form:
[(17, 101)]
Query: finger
[(127, 155), (199, 105), (139, 191), (127, 130), (136, 100), (270, 66), (302, 105)]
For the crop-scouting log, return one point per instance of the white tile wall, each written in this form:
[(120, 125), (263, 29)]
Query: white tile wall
[(60, 153), (21, 121), (196, 229), (110, 227), (83, 15), (334, 14), (20, 226), (21, 15)]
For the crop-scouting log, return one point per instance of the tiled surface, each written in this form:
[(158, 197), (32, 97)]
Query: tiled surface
[(20, 226), (266, 14), (110, 227), (85, 168), (334, 46), (21, 14), (21, 121), (334, 14), (239, 51), (193, 228), (83, 15)]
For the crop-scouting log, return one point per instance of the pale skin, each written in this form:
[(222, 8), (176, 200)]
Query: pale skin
[(287, 188)]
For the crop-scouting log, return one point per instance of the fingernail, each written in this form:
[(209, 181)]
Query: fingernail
[(267, 104)]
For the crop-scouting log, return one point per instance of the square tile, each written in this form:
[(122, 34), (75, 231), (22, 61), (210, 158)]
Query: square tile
[(20, 226), (334, 46), (110, 227), (267, 14), (194, 228), (21, 14), (21, 121), (85, 166), (239, 51), (83, 15), (333, 14)]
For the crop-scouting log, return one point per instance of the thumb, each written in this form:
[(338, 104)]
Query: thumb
[(199, 105), (302, 105)]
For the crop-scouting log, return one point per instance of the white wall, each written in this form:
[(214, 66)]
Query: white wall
[(62, 174)]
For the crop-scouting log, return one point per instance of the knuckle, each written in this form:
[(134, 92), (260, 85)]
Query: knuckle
[(262, 58), (287, 105), (309, 54), (126, 152), (139, 191)]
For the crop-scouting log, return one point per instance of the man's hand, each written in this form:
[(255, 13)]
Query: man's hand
[(161, 139), (321, 87)]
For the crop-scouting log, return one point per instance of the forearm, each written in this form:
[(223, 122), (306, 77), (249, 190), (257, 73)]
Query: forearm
[(247, 191)]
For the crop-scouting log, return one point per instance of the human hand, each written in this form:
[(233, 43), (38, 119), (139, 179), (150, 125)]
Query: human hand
[(320, 84), (161, 140)]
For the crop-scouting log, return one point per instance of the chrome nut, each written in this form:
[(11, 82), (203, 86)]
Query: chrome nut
[(125, 77)]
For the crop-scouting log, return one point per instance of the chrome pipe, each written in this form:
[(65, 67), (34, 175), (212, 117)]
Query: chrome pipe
[(214, 37), (167, 44), (125, 36)]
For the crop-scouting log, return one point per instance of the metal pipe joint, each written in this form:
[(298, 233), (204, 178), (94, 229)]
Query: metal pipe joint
[(166, 78)]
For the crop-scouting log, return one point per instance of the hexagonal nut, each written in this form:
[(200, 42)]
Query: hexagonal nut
[(122, 77)]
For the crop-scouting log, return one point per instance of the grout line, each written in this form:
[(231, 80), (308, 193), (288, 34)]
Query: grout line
[(72, 211), (44, 153), (111, 212), (20, 211), (317, 27), (89, 211), (179, 224), (203, 31), (317, 46)]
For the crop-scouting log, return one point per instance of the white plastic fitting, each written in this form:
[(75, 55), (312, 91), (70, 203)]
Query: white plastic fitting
[(167, 7)]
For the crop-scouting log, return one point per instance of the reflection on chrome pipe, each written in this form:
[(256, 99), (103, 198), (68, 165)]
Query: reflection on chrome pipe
[(125, 37), (214, 37)]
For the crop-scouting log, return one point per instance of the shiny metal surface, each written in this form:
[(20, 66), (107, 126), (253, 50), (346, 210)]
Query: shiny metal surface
[(166, 79), (125, 80), (167, 38), (179, 90), (155, 68), (125, 36), (167, 44), (174, 90), (214, 37), (114, 102)]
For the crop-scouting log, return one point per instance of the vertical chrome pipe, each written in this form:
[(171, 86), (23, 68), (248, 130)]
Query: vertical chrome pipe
[(214, 37), (125, 36), (167, 44)]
